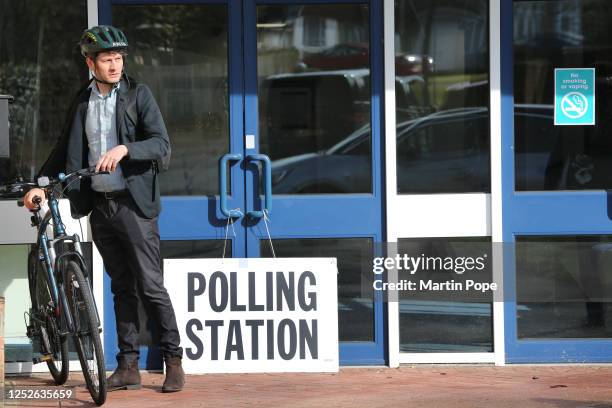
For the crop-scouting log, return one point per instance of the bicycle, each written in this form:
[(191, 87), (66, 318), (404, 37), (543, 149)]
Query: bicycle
[(62, 302)]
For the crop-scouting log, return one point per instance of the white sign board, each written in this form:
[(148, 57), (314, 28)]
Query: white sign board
[(255, 315)]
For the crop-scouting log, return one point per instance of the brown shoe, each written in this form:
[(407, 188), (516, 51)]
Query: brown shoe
[(175, 376), (125, 377)]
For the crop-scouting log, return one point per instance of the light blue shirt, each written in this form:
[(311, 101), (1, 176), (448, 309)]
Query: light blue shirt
[(101, 131)]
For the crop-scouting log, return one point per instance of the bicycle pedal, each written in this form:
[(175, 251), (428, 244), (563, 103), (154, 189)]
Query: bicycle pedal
[(46, 357), (42, 359), (30, 331)]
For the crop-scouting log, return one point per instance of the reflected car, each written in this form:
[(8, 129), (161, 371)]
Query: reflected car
[(446, 151), (353, 56)]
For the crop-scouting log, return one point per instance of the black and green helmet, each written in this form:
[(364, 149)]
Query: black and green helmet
[(102, 38)]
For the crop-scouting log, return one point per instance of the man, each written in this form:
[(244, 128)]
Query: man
[(104, 130)]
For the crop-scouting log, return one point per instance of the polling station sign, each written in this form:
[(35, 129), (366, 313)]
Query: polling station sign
[(574, 96), (256, 314)]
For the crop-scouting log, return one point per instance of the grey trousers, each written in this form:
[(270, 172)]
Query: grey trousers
[(129, 245)]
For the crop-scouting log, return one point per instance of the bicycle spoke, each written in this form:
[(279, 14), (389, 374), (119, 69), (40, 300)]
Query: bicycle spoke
[(87, 335)]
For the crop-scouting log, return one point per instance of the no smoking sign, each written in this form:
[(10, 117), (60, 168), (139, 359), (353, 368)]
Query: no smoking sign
[(574, 96)]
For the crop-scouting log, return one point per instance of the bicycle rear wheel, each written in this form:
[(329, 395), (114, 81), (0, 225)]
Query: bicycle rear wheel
[(87, 337), (44, 323)]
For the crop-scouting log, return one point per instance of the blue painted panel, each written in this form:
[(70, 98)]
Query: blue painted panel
[(104, 12), (109, 332), (560, 213), (150, 358), (334, 215), (193, 218), (566, 351)]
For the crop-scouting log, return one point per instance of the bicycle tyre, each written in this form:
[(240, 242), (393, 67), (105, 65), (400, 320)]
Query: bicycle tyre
[(87, 336), (49, 337)]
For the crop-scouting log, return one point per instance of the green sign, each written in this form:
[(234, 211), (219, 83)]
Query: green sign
[(574, 96)]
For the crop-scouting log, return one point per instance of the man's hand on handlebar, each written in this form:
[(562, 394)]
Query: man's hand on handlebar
[(109, 161), (30, 199), (33, 199)]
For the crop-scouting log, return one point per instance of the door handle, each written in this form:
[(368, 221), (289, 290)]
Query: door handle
[(267, 169), (223, 184)]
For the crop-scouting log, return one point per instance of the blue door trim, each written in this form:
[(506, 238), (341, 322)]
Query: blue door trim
[(540, 213)]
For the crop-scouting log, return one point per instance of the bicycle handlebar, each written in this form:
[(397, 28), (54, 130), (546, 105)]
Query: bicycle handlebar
[(19, 188), (61, 178)]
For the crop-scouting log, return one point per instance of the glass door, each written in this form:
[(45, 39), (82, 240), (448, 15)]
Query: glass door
[(557, 209), (312, 108), (190, 55), (438, 173), (274, 116)]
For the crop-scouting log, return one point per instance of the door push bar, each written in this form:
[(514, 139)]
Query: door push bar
[(267, 169), (223, 184)]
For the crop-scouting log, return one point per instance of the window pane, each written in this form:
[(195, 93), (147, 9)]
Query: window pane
[(43, 69), (180, 52), (313, 69), (564, 286), (184, 249), (41, 66), (439, 322), (355, 293), (561, 34), (442, 96)]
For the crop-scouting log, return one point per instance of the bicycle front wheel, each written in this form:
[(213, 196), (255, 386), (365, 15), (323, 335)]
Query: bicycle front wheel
[(87, 334), (53, 346)]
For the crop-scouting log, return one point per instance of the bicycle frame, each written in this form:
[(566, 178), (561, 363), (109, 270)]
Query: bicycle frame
[(53, 262)]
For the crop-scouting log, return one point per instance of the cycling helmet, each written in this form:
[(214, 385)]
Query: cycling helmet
[(102, 38)]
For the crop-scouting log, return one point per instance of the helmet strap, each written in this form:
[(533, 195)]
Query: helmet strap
[(104, 82)]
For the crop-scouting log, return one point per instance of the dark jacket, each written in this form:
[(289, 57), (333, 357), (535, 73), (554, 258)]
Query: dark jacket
[(146, 139)]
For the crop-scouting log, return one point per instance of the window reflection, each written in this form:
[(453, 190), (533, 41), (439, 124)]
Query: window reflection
[(41, 66), (186, 249), (564, 286), (442, 96), (314, 97), (355, 293), (561, 34), (180, 52), (446, 321)]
